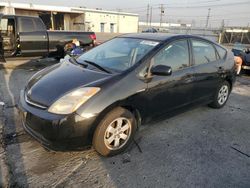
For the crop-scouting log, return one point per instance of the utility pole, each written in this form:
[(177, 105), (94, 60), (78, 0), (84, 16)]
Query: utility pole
[(222, 24), (150, 20), (208, 16), (162, 12), (147, 14), (221, 34)]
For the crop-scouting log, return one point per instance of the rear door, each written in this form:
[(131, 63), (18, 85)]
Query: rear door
[(167, 93), (207, 67), (33, 37)]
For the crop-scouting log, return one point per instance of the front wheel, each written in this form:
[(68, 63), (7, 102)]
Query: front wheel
[(115, 132), (221, 95)]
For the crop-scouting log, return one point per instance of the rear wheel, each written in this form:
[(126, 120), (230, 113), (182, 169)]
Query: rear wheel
[(221, 96), (115, 132)]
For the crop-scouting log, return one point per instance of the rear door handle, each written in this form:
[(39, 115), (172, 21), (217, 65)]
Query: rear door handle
[(221, 69)]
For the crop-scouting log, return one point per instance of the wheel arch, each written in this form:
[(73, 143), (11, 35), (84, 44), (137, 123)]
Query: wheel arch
[(109, 108), (229, 79)]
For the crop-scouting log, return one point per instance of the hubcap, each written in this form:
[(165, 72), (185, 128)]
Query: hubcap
[(117, 133), (223, 94)]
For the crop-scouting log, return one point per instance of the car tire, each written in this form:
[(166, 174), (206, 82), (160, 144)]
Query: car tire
[(115, 132), (221, 96)]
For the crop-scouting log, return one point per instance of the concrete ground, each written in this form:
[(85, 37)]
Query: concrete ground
[(202, 147)]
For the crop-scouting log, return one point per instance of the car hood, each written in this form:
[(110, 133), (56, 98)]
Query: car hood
[(48, 85)]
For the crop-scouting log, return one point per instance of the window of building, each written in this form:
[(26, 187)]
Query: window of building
[(102, 27), (204, 52), (175, 55), (112, 28)]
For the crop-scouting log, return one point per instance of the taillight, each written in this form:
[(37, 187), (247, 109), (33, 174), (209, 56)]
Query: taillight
[(93, 36)]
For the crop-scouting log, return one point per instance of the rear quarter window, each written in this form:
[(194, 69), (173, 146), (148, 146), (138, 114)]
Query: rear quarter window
[(221, 51)]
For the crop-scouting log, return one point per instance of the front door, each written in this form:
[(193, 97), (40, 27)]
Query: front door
[(33, 37), (166, 93)]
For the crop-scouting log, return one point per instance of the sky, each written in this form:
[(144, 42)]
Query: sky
[(234, 13)]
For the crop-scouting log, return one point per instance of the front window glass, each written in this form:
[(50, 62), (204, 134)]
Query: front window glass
[(175, 55), (118, 54)]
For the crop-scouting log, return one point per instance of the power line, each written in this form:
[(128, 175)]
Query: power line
[(217, 5), (212, 5)]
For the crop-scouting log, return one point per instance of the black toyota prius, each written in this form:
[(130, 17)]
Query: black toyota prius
[(103, 96)]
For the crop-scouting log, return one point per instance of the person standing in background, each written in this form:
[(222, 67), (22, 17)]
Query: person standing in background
[(238, 61)]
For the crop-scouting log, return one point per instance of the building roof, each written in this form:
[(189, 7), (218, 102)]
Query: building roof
[(105, 11), (31, 6)]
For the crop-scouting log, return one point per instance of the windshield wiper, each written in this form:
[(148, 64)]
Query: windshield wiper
[(73, 60), (97, 66)]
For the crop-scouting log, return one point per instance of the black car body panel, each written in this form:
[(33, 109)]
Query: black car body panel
[(148, 97), (66, 76)]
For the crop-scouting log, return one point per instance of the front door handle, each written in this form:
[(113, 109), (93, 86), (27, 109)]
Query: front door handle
[(189, 79)]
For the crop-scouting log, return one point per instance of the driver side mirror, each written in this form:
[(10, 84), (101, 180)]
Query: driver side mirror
[(161, 70)]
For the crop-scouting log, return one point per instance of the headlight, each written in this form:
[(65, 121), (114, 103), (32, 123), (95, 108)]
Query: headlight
[(73, 100)]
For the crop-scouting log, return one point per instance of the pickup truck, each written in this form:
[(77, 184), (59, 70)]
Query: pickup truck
[(27, 36)]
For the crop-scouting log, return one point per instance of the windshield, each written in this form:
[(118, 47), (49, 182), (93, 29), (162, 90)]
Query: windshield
[(118, 54)]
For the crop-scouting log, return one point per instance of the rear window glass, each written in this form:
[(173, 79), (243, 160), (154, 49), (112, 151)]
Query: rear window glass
[(204, 52), (221, 51)]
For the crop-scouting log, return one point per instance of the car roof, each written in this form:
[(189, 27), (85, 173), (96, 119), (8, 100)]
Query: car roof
[(161, 37)]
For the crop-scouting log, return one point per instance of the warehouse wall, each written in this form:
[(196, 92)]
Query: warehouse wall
[(121, 23)]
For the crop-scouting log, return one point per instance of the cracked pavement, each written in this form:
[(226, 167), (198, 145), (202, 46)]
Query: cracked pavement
[(202, 147)]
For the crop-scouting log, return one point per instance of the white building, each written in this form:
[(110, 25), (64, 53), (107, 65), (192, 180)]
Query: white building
[(110, 21), (74, 18)]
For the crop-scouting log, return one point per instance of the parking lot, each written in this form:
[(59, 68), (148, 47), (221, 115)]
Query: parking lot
[(202, 147)]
